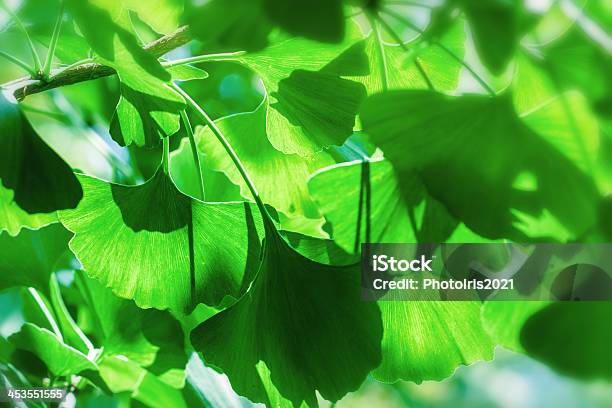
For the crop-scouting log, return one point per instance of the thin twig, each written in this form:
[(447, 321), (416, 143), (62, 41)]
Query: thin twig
[(87, 72)]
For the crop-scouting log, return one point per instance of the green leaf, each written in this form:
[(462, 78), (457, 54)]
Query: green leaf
[(280, 178), (61, 359), (311, 105), (29, 258), (210, 388), (504, 320), (339, 192), (391, 63), (162, 15), (320, 20), (13, 218), (72, 333), (150, 338), (6, 350), (246, 24), (124, 376), (564, 61), (186, 73), (495, 26), (35, 181), (572, 337), (152, 244), (236, 24), (562, 118), (303, 321), (362, 197), (408, 348), (476, 153), (428, 340), (148, 108), (218, 188), (144, 118)]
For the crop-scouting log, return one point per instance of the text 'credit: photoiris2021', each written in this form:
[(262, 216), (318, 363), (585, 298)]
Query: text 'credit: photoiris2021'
[(493, 271)]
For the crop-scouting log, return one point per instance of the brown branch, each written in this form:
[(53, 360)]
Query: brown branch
[(89, 71)]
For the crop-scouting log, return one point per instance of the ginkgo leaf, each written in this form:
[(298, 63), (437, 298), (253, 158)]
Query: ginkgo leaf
[(564, 61), (124, 376), (246, 24), (572, 337), (218, 188), (303, 320), (407, 349), (209, 388), (504, 320), (71, 332), (152, 244), (148, 109), (13, 218), (61, 359), (364, 202), (150, 338), (34, 180), (238, 24), (186, 73), (340, 193), (162, 15), (143, 118), (28, 259), (390, 63), (320, 20), (280, 178), (428, 340), (477, 152), (311, 105), (496, 27), (562, 118)]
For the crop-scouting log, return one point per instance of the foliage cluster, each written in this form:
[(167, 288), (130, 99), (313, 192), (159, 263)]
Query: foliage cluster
[(161, 226)]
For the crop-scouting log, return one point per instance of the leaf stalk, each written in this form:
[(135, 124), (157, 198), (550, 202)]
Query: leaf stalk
[(227, 56), (229, 149), (46, 71), (194, 152), (166, 155), (21, 27), (19, 63)]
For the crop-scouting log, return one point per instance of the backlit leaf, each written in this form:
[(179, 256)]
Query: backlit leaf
[(477, 152), (152, 244), (29, 258), (60, 358), (35, 181), (280, 178), (303, 321)]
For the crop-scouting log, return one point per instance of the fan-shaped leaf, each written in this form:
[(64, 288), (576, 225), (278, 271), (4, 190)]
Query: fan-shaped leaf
[(61, 359), (280, 178), (477, 152), (150, 338), (152, 244), (303, 321), (35, 181), (29, 258), (311, 104), (148, 109)]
